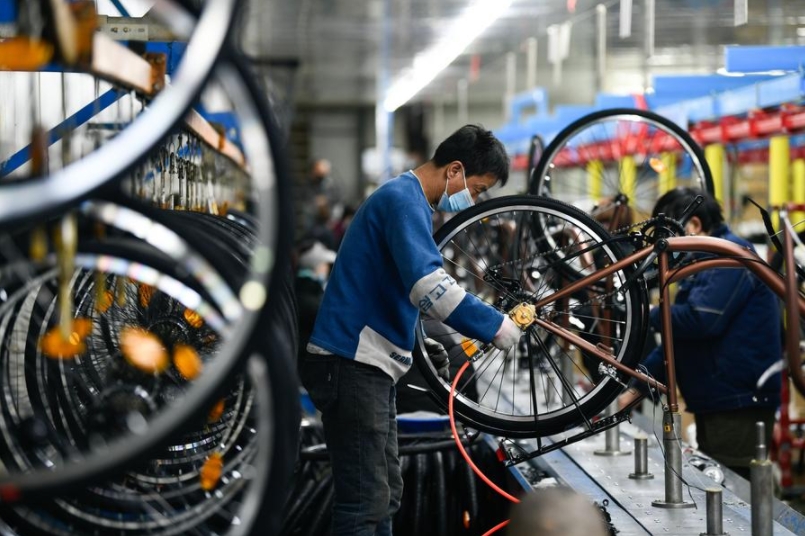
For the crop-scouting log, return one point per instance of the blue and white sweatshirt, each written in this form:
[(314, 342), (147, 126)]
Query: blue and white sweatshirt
[(388, 271)]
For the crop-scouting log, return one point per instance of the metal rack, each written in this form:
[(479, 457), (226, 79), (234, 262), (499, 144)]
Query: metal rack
[(715, 109), (145, 75)]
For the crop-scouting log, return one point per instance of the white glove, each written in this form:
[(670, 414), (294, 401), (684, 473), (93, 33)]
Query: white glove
[(438, 356), (508, 335)]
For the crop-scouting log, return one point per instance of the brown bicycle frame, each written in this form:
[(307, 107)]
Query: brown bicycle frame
[(727, 255)]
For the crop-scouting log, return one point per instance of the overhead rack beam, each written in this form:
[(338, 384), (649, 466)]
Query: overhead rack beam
[(134, 29), (749, 59), (107, 65), (756, 125), (209, 135), (117, 64)]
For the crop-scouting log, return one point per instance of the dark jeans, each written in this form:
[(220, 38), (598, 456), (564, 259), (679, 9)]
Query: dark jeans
[(357, 403), (730, 437)]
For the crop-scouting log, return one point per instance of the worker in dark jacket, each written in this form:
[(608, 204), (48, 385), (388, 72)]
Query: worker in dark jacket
[(726, 329)]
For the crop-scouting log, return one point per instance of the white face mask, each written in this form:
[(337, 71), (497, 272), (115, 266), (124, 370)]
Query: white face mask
[(458, 201)]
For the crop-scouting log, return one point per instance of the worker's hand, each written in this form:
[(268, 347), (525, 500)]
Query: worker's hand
[(508, 335), (438, 356), (627, 397)]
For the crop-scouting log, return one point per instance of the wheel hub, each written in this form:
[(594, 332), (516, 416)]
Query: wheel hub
[(523, 315)]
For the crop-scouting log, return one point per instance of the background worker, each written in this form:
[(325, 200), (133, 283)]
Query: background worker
[(726, 328), (558, 511)]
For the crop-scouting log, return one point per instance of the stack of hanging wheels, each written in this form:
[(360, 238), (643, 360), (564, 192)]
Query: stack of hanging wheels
[(148, 355)]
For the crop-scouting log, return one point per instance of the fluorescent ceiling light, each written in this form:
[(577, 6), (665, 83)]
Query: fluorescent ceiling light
[(724, 72), (136, 8), (777, 72), (429, 63)]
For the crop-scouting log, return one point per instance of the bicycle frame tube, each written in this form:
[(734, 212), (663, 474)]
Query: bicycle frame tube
[(666, 332), (726, 255), (792, 350), (581, 343), (729, 255)]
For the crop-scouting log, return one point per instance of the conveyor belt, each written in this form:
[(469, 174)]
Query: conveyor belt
[(628, 501), (605, 480)]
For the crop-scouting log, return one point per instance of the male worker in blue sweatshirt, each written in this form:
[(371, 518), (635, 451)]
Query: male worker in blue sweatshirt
[(387, 272)]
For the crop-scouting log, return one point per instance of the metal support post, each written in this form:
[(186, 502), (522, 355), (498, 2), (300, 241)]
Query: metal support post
[(595, 179), (779, 169), (641, 459), (715, 524), (671, 424), (715, 155), (798, 188), (762, 487), (612, 437), (628, 177)]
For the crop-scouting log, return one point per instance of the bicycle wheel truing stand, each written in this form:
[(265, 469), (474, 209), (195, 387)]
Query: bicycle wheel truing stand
[(671, 422)]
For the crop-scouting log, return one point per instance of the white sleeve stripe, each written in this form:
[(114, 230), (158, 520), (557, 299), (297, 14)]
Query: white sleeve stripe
[(709, 310), (437, 294)]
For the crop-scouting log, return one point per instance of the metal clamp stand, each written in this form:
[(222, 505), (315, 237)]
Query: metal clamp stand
[(715, 525), (641, 459), (671, 422), (762, 487), (612, 437)]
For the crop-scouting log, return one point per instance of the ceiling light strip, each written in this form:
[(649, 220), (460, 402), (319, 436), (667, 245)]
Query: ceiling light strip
[(429, 63)]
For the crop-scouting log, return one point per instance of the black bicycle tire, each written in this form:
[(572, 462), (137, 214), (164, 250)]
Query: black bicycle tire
[(273, 364), (148, 257), (536, 144), (538, 180), (577, 126), (32, 519)]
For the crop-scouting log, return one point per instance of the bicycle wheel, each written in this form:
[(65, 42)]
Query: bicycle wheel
[(237, 303), (56, 412), (87, 403), (618, 162), (544, 385), (167, 495), (535, 150)]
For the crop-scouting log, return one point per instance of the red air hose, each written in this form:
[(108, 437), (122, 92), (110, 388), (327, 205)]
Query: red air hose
[(464, 453)]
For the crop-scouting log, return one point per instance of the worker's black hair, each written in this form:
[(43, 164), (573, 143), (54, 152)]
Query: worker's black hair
[(477, 149), (674, 202)]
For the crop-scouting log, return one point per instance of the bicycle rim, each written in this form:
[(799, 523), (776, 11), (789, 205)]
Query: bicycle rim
[(543, 385), (625, 155)]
